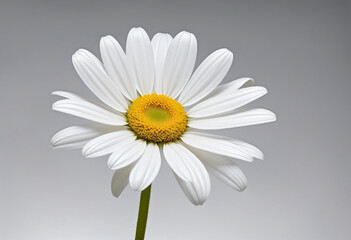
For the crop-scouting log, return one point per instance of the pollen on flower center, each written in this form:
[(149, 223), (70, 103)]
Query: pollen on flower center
[(157, 118)]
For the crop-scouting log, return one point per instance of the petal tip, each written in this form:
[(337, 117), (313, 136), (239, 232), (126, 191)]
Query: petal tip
[(136, 188), (81, 54), (226, 51), (198, 203), (114, 165), (53, 142), (110, 165), (242, 188), (136, 29), (108, 39), (274, 117), (114, 193), (86, 152), (185, 34), (76, 56)]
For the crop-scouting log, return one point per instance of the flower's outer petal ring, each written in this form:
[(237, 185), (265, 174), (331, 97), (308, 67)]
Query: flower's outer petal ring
[(141, 59), (206, 77), (179, 65), (93, 74), (146, 168), (160, 44), (238, 118)]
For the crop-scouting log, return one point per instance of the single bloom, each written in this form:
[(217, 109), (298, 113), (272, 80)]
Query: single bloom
[(156, 107)]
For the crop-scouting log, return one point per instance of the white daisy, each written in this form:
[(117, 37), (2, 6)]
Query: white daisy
[(156, 105)]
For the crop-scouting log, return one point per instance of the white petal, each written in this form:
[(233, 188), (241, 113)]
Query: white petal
[(68, 95), (93, 74), (176, 161), (206, 77), (252, 150), (120, 180), (226, 102), (106, 143), (184, 163), (198, 189), (160, 44), (179, 65), (222, 168), (117, 66), (215, 144), (140, 56), (231, 87), (126, 153), (146, 169), (77, 136), (80, 107), (237, 119)]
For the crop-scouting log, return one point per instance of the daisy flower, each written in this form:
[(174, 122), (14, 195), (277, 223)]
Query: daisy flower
[(154, 107)]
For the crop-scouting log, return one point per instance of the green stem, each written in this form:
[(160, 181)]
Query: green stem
[(143, 211)]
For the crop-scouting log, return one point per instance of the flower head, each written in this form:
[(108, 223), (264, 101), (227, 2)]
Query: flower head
[(154, 105)]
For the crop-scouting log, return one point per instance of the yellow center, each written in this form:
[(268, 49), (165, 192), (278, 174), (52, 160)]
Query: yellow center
[(157, 118)]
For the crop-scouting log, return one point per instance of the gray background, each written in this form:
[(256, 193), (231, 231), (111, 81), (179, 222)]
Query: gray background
[(299, 50)]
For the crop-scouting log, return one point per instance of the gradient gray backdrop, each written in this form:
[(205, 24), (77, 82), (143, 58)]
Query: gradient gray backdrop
[(299, 50)]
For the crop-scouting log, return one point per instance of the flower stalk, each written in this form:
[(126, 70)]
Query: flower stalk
[(143, 213)]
